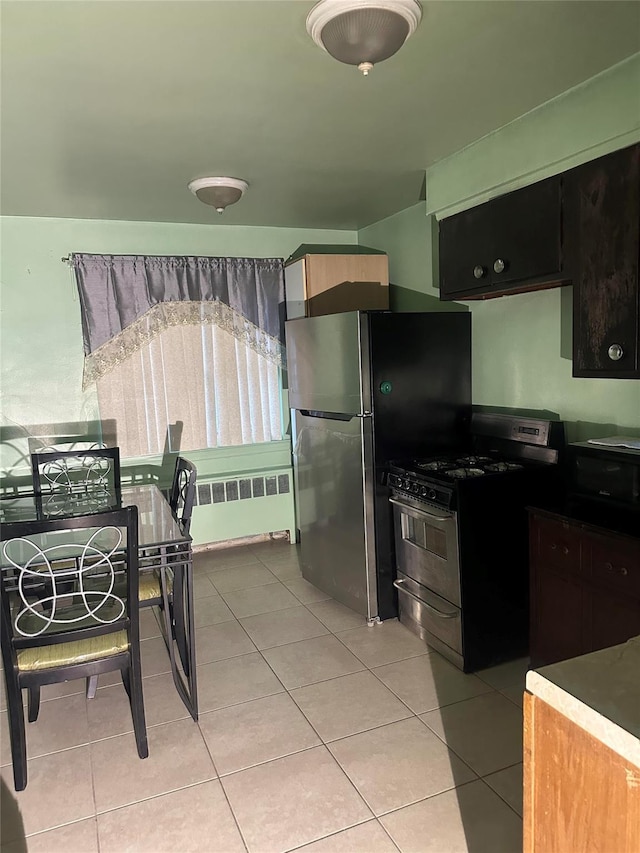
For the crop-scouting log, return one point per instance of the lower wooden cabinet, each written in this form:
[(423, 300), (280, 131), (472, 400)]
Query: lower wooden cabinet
[(579, 795), (585, 588)]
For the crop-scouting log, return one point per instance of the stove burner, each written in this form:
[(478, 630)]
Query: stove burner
[(473, 461), (503, 466), (463, 473), (435, 465)]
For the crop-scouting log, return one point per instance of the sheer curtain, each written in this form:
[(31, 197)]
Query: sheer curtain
[(158, 356)]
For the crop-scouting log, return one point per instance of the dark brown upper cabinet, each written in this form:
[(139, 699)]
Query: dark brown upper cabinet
[(602, 203), (507, 245)]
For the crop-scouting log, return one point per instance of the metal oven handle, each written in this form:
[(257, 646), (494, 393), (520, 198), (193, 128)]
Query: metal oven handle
[(419, 513), (399, 584)]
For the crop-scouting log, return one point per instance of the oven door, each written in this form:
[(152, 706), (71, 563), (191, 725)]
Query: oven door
[(426, 540)]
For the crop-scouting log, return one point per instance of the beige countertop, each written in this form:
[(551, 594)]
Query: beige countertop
[(600, 692)]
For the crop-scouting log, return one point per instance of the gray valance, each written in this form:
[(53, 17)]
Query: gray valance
[(126, 300), (116, 290)]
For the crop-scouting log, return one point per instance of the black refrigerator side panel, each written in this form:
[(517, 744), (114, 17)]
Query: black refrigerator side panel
[(421, 399), (420, 382)]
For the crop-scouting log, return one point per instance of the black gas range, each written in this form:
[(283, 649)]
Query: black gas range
[(461, 536), (501, 445)]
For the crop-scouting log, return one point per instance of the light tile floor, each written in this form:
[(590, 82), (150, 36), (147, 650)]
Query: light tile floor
[(316, 733)]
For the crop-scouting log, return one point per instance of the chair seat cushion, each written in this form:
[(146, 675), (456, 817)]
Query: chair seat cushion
[(149, 586), (79, 651)]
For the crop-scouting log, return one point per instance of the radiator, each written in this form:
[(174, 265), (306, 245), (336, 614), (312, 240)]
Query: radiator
[(246, 505)]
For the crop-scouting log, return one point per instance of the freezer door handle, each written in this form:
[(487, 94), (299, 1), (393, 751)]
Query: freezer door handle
[(328, 416), (333, 416)]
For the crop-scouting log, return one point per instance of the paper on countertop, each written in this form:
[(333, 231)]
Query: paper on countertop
[(618, 441)]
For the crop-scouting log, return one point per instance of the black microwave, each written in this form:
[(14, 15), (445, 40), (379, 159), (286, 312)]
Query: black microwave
[(608, 475)]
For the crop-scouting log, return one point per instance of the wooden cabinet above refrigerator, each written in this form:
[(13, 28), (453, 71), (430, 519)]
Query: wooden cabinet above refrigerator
[(330, 279)]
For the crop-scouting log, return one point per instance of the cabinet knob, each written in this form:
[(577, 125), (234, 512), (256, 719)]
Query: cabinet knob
[(615, 352), (553, 546), (608, 567), (499, 265), (479, 271), (624, 570), (565, 550)]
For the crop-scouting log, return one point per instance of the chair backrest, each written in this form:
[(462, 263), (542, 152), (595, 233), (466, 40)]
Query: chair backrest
[(61, 579), (76, 471), (183, 491)]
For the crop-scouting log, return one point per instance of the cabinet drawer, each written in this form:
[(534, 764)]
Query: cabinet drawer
[(615, 564), (557, 545)]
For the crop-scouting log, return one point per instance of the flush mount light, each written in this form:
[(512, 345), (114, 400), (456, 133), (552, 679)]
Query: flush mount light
[(218, 192), (363, 32)]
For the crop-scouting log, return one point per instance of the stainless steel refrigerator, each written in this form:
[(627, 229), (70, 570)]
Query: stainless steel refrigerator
[(365, 388)]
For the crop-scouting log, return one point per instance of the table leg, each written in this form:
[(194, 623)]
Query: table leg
[(181, 628)]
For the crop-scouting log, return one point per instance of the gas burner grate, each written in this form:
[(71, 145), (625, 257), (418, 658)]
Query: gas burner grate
[(464, 473), (435, 464), (472, 461), (503, 466)]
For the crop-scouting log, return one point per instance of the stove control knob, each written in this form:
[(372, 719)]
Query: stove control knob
[(415, 488), (406, 485), (431, 494)]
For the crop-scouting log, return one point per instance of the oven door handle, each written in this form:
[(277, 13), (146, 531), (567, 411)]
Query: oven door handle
[(419, 513), (399, 584)]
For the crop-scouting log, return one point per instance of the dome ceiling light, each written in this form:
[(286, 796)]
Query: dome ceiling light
[(363, 32), (219, 192)]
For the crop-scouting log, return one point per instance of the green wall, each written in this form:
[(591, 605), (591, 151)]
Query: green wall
[(41, 356), (522, 344)]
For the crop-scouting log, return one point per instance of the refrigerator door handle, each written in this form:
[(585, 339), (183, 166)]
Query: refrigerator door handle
[(328, 416), (334, 416)]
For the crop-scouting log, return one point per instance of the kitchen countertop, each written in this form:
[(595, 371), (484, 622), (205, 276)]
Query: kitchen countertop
[(600, 692)]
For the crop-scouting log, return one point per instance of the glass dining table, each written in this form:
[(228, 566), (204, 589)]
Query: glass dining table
[(163, 548)]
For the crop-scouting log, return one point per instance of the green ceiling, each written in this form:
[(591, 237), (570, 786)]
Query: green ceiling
[(109, 109)]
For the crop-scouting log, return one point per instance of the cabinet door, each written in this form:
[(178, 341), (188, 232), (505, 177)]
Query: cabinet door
[(465, 252), (615, 563), (557, 544), (603, 209), (556, 617), (610, 618), (526, 242)]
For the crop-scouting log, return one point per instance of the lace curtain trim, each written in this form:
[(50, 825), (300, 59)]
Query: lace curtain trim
[(167, 314)]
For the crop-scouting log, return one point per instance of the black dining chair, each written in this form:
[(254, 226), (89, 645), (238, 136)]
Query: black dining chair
[(165, 588), (76, 471), (82, 622), (160, 587), (183, 492)]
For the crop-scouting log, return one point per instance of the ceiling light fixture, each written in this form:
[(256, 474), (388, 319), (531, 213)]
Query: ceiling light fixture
[(363, 32), (219, 192)]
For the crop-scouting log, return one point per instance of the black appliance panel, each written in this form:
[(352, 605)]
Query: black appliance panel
[(420, 381)]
